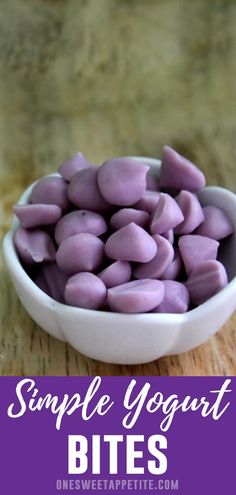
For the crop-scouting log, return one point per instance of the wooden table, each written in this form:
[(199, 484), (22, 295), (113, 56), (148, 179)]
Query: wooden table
[(27, 350)]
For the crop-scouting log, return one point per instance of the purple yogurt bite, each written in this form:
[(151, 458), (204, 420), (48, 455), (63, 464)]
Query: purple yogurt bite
[(83, 190), (117, 273), (152, 181), (80, 253), (72, 166), (85, 290), (131, 243), (166, 215), (122, 181), (50, 190), (216, 224), (148, 201), (128, 215), (35, 215), (159, 264), (192, 211), (206, 280), (179, 173), (54, 280), (138, 296), (81, 221), (195, 249), (169, 235), (34, 246), (42, 284), (176, 298), (174, 269)]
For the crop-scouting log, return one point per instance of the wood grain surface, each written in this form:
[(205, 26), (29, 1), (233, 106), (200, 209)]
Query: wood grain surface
[(111, 78)]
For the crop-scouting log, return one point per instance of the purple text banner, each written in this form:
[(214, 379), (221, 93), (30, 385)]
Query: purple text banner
[(123, 435)]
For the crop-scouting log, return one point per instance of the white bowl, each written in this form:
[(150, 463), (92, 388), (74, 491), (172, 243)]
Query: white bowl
[(127, 338)]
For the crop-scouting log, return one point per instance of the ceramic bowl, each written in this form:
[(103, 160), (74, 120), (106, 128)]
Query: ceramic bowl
[(130, 338)]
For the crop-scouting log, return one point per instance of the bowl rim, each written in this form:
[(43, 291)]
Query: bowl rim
[(14, 265)]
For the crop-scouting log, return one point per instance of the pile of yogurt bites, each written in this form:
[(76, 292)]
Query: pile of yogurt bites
[(117, 238)]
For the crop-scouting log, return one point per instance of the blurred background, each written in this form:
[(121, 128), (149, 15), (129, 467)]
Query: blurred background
[(115, 77)]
